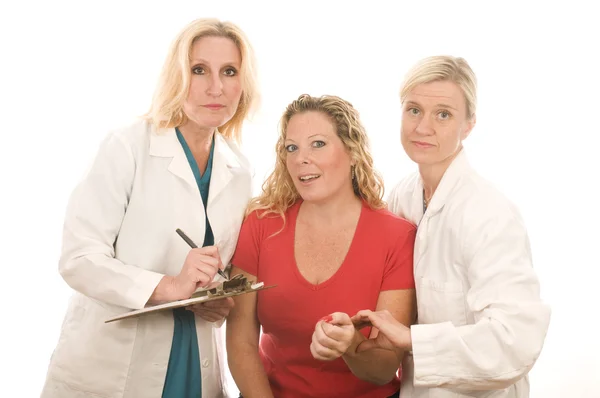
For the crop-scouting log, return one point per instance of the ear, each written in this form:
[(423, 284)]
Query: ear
[(470, 125)]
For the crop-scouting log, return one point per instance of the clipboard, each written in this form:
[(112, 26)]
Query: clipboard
[(236, 286)]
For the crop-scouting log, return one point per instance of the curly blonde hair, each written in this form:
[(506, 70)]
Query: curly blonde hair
[(166, 110), (279, 192)]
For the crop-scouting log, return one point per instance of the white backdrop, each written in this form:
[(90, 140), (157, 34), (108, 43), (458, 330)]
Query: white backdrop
[(71, 71)]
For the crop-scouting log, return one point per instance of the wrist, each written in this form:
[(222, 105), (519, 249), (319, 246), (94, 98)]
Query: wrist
[(408, 343), (165, 290), (356, 340)]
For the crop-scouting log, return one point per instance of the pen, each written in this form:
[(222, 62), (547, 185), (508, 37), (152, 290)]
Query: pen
[(193, 246)]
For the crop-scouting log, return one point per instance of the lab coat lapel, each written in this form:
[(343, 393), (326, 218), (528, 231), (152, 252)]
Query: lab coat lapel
[(442, 194), (164, 143), (224, 166)]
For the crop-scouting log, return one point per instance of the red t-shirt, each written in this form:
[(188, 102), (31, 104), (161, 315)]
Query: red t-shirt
[(380, 258)]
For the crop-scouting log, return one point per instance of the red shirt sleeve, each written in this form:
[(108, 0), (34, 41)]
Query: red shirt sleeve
[(398, 272), (247, 251)]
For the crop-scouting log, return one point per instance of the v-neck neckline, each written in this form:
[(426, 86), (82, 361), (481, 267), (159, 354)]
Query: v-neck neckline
[(293, 220)]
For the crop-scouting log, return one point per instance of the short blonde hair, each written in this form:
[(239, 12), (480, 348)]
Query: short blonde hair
[(173, 85), (443, 68), (279, 192)]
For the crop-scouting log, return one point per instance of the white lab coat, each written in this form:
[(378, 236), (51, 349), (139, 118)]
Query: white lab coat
[(119, 240), (481, 324)]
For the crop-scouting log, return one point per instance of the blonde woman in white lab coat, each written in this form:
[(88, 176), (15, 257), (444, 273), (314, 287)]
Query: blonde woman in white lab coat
[(180, 167), (481, 324)]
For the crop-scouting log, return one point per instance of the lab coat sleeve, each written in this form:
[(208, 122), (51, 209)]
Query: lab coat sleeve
[(511, 321), (93, 219)]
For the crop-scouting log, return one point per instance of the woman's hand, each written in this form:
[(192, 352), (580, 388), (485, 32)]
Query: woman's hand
[(392, 335), (333, 337), (199, 269), (213, 311)]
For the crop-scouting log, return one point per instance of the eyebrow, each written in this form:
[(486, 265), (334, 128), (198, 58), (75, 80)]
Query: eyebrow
[(203, 61), (311, 136), (440, 105)]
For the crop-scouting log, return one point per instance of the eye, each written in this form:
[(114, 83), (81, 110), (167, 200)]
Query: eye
[(444, 115), (230, 72), (318, 144), (413, 111), (198, 70), (290, 148)]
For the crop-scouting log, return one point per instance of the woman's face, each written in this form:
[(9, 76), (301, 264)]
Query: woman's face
[(316, 158), (434, 122), (215, 84)]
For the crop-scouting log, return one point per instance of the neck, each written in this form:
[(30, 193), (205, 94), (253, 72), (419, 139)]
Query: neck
[(432, 174), (332, 211), (197, 138)]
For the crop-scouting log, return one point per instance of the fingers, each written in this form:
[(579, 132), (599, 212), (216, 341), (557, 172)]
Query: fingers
[(207, 316), (211, 252), (201, 268), (368, 318), (340, 319), (213, 311), (226, 303), (212, 285), (330, 341), (323, 347)]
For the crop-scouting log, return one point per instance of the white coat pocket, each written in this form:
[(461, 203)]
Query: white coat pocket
[(441, 301)]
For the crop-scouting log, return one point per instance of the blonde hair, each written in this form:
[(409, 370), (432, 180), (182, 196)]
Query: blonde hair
[(279, 192), (443, 68), (172, 89)]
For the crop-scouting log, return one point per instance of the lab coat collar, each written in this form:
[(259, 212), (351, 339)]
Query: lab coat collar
[(164, 143), (459, 166)]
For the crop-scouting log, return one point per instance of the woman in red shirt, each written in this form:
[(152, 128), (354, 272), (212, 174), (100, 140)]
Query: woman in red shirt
[(320, 232)]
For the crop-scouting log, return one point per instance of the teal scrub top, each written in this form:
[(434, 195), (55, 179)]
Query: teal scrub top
[(183, 378)]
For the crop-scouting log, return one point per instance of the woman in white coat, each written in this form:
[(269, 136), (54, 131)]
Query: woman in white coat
[(481, 324), (180, 167)]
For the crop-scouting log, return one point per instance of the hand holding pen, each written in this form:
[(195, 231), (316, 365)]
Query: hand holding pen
[(199, 269), (194, 246)]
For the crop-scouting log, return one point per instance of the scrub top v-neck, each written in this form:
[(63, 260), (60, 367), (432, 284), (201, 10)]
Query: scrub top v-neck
[(183, 379)]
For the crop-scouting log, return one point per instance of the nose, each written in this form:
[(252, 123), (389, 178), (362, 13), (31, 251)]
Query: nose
[(424, 127), (215, 85), (303, 156)]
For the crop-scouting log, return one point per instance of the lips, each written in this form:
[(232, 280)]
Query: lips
[(308, 177), (214, 106), (421, 144)]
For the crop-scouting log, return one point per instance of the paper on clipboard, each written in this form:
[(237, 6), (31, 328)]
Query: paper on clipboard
[(234, 287)]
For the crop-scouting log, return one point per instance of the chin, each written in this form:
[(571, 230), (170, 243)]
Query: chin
[(312, 197), (211, 122), (417, 157)]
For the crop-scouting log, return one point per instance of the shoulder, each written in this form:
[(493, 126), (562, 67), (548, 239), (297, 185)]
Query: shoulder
[(124, 145), (401, 193), (383, 222), (134, 134), (477, 202), (405, 185), (129, 142), (268, 221)]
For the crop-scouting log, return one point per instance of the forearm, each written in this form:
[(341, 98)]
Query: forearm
[(377, 366), (247, 370), (109, 280), (484, 356)]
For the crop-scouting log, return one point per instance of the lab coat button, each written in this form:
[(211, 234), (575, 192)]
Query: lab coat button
[(205, 363)]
